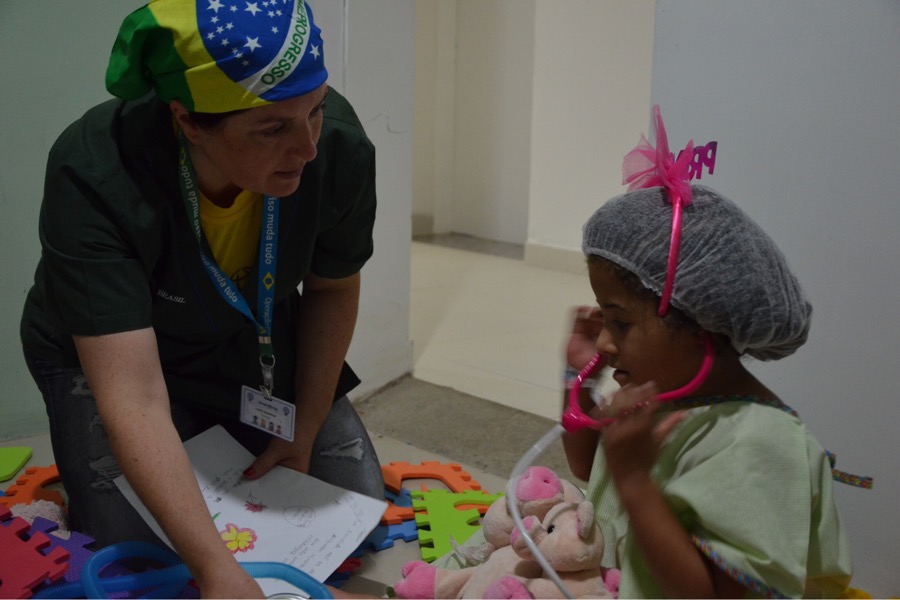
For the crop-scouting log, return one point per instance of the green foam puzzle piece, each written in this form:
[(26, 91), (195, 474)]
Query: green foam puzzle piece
[(12, 459), (441, 519)]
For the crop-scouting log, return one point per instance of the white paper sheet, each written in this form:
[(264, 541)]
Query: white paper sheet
[(286, 516)]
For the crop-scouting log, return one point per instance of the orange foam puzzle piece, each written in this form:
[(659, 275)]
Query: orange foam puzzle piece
[(394, 515), (30, 487), (452, 475)]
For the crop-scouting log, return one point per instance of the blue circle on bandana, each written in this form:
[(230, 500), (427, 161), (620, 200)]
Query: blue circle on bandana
[(263, 40)]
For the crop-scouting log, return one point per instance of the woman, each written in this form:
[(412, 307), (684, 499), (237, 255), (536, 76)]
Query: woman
[(178, 222)]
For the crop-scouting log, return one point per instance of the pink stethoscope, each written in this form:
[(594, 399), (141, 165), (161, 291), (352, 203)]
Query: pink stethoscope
[(574, 419)]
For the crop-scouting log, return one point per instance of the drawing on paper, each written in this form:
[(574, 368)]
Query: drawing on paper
[(253, 504), (300, 516), (238, 539)]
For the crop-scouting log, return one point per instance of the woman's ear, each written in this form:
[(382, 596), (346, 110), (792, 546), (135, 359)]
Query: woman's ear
[(182, 117)]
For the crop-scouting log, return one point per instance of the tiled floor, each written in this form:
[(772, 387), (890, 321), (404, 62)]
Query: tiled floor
[(492, 326)]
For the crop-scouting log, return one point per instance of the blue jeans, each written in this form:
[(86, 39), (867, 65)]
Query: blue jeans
[(343, 454)]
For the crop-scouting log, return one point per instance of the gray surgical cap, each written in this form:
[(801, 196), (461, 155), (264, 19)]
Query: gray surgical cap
[(731, 278)]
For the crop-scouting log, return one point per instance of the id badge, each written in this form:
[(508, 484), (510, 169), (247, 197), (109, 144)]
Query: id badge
[(269, 414)]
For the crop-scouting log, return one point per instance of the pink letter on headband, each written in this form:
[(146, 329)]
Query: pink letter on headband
[(704, 156)]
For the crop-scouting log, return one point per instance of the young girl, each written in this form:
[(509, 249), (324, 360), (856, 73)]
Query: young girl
[(721, 491)]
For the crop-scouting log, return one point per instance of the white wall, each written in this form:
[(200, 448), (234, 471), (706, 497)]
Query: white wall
[(434, 116), (592, 64), (536, 99), (802, 97), (47, 85), (495, 42), (50, 83), (379, 79)]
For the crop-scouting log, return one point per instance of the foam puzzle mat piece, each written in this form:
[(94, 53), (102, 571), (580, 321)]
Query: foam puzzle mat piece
[(402, 499), (399, 507), (12, 459), (77, 545), (30, 487), (343, 572), (25, 564), (450, 474), (383, 536), (394, 514), (439, 518)]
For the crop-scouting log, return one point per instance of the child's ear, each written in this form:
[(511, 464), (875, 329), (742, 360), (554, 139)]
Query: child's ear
[(721, 345), (702, 337)]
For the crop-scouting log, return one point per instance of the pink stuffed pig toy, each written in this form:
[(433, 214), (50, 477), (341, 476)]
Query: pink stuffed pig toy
[(571, 542), (537, 491), (504, 567)]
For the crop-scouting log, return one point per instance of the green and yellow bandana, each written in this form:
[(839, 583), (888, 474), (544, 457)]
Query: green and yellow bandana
[(218, 55)]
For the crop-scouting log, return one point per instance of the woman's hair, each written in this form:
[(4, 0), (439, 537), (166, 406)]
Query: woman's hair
[(211, 121), (731, 279)]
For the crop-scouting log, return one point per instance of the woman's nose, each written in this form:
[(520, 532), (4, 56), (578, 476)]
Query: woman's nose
[(305, 146)]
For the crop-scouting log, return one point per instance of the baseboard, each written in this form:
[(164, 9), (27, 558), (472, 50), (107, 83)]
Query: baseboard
[(558, 259), (422, 224)]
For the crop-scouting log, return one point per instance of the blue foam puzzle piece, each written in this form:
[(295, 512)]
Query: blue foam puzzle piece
[(403, 499), (383, 536)]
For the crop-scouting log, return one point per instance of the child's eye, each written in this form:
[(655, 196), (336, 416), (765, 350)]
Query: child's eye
[(620, 325)]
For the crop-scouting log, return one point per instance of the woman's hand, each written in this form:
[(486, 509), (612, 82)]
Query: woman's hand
[(230, 582), (294, 455), (587, 322)]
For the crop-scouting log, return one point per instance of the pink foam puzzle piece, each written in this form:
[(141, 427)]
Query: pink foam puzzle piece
[(25, 564)]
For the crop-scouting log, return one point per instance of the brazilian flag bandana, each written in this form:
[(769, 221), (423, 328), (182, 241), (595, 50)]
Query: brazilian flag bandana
[(217, 55)]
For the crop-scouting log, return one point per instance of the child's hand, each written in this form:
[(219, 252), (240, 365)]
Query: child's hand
[(582, 345), (632, 442)]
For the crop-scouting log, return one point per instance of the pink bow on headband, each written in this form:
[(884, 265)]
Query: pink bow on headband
[(646, 167)]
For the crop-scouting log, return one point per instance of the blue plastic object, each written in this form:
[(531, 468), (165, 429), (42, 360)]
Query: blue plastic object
[(165, 582)]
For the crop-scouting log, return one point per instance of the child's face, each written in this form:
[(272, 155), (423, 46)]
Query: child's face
[(637, 342)]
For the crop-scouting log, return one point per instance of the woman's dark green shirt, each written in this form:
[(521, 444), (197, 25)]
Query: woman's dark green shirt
[(118, 253)]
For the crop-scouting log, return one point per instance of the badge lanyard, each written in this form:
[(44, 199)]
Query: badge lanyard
[(268, 259)]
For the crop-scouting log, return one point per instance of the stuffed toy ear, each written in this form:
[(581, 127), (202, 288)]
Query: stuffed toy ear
[(585, 515)]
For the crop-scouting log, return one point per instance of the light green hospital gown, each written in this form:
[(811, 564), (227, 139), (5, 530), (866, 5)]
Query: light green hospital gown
[(754, 490)]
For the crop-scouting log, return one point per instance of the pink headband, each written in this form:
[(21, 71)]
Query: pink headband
[(646, 167)]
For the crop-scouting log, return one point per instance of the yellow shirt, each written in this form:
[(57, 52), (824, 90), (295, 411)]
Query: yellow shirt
[(233, 233)]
